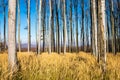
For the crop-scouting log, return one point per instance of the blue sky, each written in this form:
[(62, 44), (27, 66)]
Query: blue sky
[(33, 19)]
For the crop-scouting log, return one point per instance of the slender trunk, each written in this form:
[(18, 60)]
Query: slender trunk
[(58, 28), (12, 54), (91, 26), (76, 14), (108, 35), (52, 31), (83, 24), (39, 27), (19, 43), (4, 13), (94, 28), (71, 25), (113, 27), (44, 24), (98, 30), (103, 30), (36, 28), (50, 18), (65, 28), (87, 40), (102, 34), (29, 31), (118, 24)]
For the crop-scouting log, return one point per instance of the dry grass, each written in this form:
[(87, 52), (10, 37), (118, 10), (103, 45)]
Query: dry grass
[(60, 67)]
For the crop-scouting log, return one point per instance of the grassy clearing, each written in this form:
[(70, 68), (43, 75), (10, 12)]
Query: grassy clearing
[(60, 67)]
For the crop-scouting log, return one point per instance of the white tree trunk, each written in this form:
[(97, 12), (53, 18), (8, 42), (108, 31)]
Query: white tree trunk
[(103, 29), (19, 43), (29, 31), (50, 18), (12, 55), (94, 19), (65, 28), (36, 28), (39, 26)]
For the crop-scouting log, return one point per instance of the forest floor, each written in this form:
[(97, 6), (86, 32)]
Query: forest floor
[(54, 66)]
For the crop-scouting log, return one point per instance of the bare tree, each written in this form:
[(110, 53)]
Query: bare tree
[(39, 26), (94, 28), (76, 15), (71, 24), (44, 23), (36, 28), (28, 23), (65, 28), (12, 54), (50, 18), (102, 34), (58, 27), (52, 30), (118, 25), (82, 31), (86, 30), (113, 27), (18, 8)]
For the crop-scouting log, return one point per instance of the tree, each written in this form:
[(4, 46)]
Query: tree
[(86, 31), (58, 27), (65, 28), (18, 8), (12, 54), (52, 30), (118, 25), (50, 18), (44, 23), (102, 34), (83, 25), (71, 24), (112, 20), (39, 26), (28, 23), (94, 28), (36, 28), (76, 14)]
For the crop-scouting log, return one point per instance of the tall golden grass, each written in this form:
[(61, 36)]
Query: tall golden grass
[(46, 66)]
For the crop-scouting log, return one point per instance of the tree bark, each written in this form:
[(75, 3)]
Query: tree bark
[(39, 27), (29, 30), (71, 25), (58, 28), (102, 34), (44, 25), (52, 30), (76, 14), (65, 28), (50, 18), (19, 42), (112, 20), (12, 54), (36, 28), (94, 28), (83, 25)]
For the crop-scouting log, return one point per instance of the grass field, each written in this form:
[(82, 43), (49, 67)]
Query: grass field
[(80, 66)]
